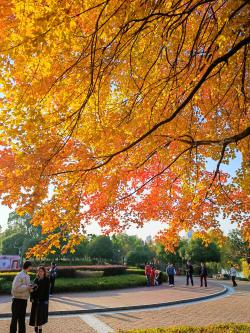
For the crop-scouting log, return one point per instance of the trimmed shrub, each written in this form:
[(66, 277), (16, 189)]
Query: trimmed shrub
[(243, 279), (218, 328), (85, 274), (89, 283), (5, 286), (139, 271), (9, 276), (70, 271), (66, 273), (99, 283), (114, 270)]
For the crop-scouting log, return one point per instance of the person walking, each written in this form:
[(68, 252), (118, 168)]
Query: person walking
[(171, 273), (52, 277), (152, 276), (40, 300), (233, 274), (189, 273), (20, 291), (147, 273), (203, 274)]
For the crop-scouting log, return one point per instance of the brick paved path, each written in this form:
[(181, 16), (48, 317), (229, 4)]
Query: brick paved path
[(124, 297), (233, 308), (55, 325)]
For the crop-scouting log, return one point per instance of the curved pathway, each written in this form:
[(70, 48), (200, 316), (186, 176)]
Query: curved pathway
[(234, 307), (124, 299), (230, 307)]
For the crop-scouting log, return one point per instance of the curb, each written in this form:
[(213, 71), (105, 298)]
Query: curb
[(133, 307)]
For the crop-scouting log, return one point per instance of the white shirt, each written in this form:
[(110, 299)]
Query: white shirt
[(20, 286), (233, 271)]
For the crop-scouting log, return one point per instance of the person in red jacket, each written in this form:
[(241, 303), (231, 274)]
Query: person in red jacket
[(147, 273), (152, 276)]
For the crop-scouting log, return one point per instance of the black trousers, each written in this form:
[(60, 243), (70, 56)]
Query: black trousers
[(234, 282), (190, 276), (205, 280), (171, 279), (52, 286), (18, 309)]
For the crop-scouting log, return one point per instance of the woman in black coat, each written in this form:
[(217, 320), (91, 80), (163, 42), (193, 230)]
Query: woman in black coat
[(40, 300), (203, 274)]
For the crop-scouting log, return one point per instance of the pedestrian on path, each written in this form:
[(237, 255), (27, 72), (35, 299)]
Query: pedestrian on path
[(152, 276), (171, 273), (40, 300), (233, 274), (147, 273), (52, 277), (189, 273), (203, 274), (20, 291)]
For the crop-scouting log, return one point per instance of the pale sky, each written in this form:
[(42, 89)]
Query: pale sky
[(151, 228)]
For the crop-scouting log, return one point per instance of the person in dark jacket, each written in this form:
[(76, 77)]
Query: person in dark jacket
[(189, 273), (160, 278), (171, 273), (52, 277), (203, 274), (40, 300)]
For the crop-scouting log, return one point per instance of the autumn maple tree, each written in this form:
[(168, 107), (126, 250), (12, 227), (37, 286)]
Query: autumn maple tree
[(110, 110)]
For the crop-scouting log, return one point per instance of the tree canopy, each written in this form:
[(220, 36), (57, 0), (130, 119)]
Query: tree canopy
[(109, 111)]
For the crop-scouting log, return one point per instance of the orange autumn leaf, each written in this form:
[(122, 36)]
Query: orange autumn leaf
[(109, 111)]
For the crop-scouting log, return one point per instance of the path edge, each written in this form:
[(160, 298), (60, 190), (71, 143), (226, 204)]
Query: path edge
[(131, 307)]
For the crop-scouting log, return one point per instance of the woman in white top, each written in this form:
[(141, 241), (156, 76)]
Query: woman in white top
[(233, 274)]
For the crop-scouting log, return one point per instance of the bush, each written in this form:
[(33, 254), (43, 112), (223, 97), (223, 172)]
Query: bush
[(70, 271), (114, 270), (9, 276), (89, 283), (85, 274), (5, 286), (243, 279), (108, 270), (66, 273), (99, 283), (219, 328), (139, 271)]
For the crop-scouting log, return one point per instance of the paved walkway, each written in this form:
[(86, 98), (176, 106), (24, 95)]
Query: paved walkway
[(122, 298), (232, 308)]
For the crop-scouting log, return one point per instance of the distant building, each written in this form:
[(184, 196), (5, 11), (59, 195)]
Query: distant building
[(9, 262), (189, 234), (148, 240)]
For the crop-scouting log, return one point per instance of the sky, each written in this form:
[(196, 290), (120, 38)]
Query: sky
[(151, 228)]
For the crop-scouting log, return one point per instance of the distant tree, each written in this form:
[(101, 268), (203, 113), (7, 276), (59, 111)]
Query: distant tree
[(101, 247), (140, 255), (197, 251), (240, 249), (22, 224), (15, 244), (164, 256)]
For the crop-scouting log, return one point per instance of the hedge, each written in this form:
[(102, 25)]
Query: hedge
[(218, 328), (135, 271), (89, 284), (9, 276), (70, 271)]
